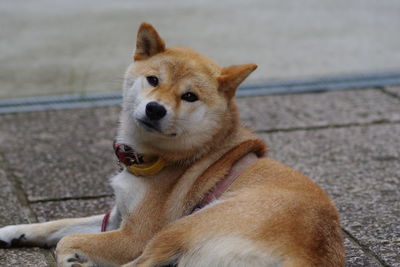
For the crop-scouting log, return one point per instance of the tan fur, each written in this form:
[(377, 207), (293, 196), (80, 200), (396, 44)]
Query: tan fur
[(271, 215)]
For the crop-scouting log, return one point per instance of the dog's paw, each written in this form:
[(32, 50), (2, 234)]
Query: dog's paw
[(75, 259), (12, 236)]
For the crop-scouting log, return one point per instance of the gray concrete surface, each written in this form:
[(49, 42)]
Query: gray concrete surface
[(53, 210), (55, 47), (22, 257), (14, 209), (282, 112), (74, 133), (56, 164), (393, 91)]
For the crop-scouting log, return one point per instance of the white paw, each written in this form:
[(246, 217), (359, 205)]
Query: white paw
[(13, 236), (75, 259)]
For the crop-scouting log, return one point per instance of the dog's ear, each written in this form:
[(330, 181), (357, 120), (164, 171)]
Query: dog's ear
[(231, 77), (148, 42)]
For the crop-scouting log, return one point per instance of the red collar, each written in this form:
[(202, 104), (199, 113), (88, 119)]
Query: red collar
[(126, 154)]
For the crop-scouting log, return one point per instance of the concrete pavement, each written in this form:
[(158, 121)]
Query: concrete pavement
[(56, 164)]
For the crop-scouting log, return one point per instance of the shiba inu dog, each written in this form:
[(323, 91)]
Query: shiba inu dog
[(197, 188)]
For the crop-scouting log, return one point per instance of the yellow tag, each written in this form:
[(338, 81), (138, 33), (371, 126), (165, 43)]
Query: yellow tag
[(148, 168)]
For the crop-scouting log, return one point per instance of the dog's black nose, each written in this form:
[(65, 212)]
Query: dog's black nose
[(155, 111)]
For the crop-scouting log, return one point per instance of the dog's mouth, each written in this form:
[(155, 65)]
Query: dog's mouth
[(153, 127), (150, 126)]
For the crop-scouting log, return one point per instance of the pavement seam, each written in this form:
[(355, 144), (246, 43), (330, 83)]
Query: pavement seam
[(369, 253), (330, 126), (26, 209), (45, 200), (393, 95)]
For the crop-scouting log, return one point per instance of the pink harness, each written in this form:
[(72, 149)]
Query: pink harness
[(223, 185)]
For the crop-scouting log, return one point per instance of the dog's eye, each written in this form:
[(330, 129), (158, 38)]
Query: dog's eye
[(189, 97), (152, 80)]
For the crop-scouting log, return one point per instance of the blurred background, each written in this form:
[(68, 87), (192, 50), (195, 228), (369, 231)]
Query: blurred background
[(58, 47)]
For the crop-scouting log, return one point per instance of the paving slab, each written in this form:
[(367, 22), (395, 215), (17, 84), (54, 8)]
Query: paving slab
[(66, 153), (360, 168), (13, 213), (355, 257), (26, 257), (318, 109), (74, 208), (10, 208)]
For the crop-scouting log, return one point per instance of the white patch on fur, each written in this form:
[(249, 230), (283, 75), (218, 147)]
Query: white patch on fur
[(129, 191), (228, 251), (11, 232)]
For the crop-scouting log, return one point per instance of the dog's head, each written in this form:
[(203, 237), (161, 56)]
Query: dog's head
[(176, 100)]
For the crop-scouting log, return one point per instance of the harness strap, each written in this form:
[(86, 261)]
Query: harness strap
[(105, 221), (221, 186)]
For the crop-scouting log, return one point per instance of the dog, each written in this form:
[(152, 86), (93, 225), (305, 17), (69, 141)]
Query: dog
[(196, 187)]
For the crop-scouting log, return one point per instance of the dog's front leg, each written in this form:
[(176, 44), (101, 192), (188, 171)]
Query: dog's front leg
[(165, 248), (104, 249), (47, 234)]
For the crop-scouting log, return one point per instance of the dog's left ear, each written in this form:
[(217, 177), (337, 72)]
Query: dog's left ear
[(231, 77), (148, 42)]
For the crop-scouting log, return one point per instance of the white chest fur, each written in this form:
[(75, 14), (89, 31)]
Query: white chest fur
[(129, 191)]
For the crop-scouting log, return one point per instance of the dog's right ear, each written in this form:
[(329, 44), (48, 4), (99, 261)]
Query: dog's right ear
[(148, 42)]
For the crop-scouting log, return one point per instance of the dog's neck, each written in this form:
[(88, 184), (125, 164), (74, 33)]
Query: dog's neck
[(211, 169)]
